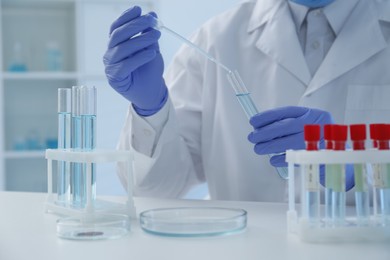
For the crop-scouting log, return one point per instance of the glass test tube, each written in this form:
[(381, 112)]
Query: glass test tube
[(248, 106), (339, 134), (64, 142), (358, 137), (329, 172), (83, 139), (311, 178), (76, 176), (88, 131), (382, 174)]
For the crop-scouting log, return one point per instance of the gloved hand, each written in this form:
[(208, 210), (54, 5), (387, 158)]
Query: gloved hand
[(133, 62), (280, 129)]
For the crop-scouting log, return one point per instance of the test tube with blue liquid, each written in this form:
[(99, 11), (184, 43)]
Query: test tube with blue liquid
[(339, 135), (64, 142), (77, 180), (88, 131), (358, 137), (234, 79), (83, 139), (311, 178), (382, 174), (329, 172)]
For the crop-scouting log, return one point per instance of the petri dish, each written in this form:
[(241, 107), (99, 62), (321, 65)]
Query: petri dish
[(93, 227), (193, 221)]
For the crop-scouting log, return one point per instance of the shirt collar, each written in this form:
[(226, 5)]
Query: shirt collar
[(336, 13)]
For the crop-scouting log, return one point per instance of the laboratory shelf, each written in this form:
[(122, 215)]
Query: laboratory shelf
[(46, 45), (40, 75)]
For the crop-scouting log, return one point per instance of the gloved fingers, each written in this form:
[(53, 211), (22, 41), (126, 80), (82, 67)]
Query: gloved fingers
[(284, 127), (270, 116), (278, 160), (125, 17), (131, 47), (118, 72), (280, 145), (131, 29)]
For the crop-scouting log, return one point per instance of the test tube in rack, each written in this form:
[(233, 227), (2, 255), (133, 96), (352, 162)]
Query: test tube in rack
[(382, 174), (358, 137), (329, 172), (311, 178), (339, 135), (64, 142)]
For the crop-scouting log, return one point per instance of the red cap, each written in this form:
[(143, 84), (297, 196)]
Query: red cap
[(328, 132), (312, 136), (373, 134), (312, 132), (358, 136), (374, 130), (383, 136), (339, 134), (328, 137), (382, 132)]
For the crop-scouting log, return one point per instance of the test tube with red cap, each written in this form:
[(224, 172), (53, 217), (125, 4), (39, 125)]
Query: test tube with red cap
[(373, 131), (358, 137), (311, 177), (339, 136), (382, 173), (329, 172)]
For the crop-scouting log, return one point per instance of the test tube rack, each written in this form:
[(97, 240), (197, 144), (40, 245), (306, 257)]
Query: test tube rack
[(92, 205), (321, 232)]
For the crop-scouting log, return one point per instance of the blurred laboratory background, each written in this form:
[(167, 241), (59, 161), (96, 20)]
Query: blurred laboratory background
[(51, 44)]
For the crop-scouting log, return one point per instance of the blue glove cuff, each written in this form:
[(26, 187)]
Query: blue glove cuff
[(150, 112)]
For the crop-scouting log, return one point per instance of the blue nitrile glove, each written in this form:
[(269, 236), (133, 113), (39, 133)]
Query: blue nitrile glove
[(280, 129), (134, 65)]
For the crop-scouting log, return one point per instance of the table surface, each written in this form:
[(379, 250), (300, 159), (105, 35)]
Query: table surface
[(26, 232)]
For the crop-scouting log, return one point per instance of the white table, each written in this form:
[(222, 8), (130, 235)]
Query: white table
[(26, 232)]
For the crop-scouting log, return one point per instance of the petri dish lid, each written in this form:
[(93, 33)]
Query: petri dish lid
[(93, 227), (193, 221)]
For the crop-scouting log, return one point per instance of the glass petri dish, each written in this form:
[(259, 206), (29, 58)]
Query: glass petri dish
[(93, 227), (193, 221)]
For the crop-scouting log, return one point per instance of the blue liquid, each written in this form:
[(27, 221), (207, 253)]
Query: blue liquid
[(77, 179), (311, 206), (338, 195), (382, 186), (84, 139), (247, 104), (88, 143), (361, 195), (64, 142), (362, 207)]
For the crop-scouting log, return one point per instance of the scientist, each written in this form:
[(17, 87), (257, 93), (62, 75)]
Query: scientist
[(303, 61)]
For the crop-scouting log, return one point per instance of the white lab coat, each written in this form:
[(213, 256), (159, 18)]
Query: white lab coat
[(205, 135)]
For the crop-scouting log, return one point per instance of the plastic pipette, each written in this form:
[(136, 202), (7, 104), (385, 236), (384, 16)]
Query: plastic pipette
[(234, 78)]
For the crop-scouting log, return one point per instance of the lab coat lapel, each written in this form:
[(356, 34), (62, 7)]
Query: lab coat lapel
[(279, 40), (360, 39)]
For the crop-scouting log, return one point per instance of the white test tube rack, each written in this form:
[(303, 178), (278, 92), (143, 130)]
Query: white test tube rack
[(92, 205), (350, 231)]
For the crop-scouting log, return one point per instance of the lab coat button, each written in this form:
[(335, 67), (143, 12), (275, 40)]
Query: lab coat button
[(147, 132)]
